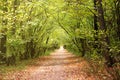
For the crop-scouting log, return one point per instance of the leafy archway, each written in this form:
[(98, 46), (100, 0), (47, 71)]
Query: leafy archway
[(28, 27)]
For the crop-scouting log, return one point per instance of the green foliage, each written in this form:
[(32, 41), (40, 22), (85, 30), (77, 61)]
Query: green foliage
[(6, 69), (30, 28)]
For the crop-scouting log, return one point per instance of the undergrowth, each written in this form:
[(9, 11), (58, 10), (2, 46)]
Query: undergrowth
[(99, 68)]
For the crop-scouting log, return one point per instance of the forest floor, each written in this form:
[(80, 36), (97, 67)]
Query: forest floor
[(60, 65)]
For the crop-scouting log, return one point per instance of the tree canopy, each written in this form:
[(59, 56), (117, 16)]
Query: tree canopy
[(28, 28)]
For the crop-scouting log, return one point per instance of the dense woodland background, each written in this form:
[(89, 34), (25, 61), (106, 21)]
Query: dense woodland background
[(88, 28)]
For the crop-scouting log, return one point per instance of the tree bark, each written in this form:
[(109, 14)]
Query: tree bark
[(3, 39), (117, 4), (83, 45), (104, 38), (95, 25)]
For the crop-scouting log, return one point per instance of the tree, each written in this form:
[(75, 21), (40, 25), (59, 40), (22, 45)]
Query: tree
[(3, 38)]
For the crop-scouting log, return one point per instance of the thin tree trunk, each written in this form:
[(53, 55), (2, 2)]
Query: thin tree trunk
[(14, 16), (46, 44), (95, 25), (118, 17), (83, 45)]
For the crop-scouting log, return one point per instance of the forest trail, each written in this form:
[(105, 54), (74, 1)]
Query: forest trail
[(60, 65)]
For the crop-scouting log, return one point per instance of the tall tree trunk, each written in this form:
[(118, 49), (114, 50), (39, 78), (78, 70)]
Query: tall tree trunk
[(104, 37), (12, 59), (3, 39), (101, 15)]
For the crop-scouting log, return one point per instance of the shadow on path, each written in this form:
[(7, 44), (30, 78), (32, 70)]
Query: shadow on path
[(60, 65)]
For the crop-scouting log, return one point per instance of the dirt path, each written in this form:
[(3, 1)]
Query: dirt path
[(60, 65)]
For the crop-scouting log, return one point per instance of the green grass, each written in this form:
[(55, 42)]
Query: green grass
[(19, 66)]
